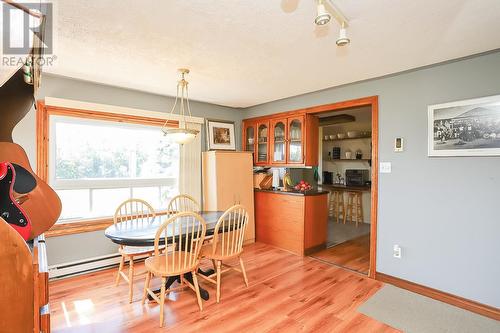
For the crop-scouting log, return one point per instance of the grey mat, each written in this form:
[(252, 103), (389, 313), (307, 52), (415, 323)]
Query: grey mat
[(414, 313), (339, 232)]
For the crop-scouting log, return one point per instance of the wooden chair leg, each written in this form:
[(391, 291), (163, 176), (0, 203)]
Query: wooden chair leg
[(131, 279), (243, 271), (214, 264), (120, 268), (197, 289), (219, 267), (162, 299), (146, 287)]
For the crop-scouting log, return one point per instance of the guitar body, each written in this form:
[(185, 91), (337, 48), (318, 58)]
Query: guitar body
[(10, 210), (40, 203)]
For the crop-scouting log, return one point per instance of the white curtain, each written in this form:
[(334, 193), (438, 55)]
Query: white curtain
[(190, 165)]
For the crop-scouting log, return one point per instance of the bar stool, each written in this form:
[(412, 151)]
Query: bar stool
[(337, 205), (354, 208)]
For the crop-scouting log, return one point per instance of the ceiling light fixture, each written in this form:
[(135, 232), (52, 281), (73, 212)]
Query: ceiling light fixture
[(325, 11), (343, 40), (323, 16), (182, 134)]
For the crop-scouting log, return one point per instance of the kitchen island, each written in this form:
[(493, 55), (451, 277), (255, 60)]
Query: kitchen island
[(292, 220)]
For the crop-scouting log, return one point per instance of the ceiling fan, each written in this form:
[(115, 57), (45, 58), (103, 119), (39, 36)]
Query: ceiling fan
[(325, 10)]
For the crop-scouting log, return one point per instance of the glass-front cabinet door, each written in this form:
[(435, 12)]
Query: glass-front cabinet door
[(295, 140), (262, 156), (249, 137), (278, 145)]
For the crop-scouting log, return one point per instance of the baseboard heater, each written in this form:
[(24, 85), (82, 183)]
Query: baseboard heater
[(87, 265)]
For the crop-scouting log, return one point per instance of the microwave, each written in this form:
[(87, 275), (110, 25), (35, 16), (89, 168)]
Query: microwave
[(357, 177)]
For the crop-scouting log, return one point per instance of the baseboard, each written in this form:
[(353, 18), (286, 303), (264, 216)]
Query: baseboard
[(473, 306), (314, 249), (87, 265)]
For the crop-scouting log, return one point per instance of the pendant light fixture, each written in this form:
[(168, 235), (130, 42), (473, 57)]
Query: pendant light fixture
[(182, 134)]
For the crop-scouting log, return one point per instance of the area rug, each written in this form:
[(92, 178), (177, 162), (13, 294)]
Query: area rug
[(414, 313)]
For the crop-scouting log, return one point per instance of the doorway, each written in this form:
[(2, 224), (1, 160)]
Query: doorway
[(348, 169)]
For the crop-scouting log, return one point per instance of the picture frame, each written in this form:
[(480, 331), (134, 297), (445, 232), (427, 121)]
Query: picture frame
[(465, 128), (220, 135)]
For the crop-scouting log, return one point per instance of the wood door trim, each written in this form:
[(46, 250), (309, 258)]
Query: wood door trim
[(464, 303)]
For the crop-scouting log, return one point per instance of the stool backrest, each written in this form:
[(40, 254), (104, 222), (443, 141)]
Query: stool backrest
[(184, 234)]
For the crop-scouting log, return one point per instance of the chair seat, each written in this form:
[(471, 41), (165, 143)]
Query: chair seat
[(137, 250), (158, 266)]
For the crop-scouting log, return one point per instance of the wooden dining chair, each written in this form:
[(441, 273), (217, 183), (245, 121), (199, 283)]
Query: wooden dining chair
[(227, 244), (183, 234), (132, 213), (183, 203)]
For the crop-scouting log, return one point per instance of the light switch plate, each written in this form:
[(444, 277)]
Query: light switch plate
[(385, 167)]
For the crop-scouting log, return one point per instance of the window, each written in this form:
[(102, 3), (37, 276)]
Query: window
[(95, 164)]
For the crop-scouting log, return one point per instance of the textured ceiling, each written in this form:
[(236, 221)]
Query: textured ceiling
[(243, 53)]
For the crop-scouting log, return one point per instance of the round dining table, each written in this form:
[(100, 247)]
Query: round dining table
[(138, 234)]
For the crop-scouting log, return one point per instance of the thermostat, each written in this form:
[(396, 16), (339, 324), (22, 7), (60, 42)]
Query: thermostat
[(398, 144)]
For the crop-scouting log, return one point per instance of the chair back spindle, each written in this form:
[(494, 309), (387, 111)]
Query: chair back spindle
[(182, 203), (134, 213), (184, 234), (229, 232)]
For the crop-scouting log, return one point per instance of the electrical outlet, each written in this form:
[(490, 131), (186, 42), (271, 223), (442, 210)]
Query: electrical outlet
[(385, 167), (396, 251)]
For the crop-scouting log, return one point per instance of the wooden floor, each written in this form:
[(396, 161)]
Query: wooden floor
[(353, 254), (287, 293)]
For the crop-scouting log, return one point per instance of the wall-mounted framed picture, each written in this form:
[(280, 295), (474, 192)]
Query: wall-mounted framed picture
[(465, 128), (220, 135)]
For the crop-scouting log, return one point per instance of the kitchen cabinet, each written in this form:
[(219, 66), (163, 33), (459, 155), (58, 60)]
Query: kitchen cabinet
[(295, 222), (262, 146), (227, 179), (290, 139), (249, 135)]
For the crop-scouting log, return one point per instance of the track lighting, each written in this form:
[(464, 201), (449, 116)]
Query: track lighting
[(323, 16), (343, 40)]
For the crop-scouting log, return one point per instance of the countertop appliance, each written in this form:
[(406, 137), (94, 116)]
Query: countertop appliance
[(357, 177), (327, 177)]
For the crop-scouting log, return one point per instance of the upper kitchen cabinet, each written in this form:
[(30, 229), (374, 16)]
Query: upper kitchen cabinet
[(293, 139), (261, 152), (278, 141), (249, 134)]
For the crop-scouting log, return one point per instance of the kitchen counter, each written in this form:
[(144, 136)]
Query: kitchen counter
[(294, 192), (345, 187), (294, 221)]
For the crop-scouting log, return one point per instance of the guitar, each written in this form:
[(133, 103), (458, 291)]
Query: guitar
[(10, 209), (37, 200)]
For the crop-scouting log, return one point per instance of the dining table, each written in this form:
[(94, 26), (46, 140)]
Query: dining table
[(138, 234)]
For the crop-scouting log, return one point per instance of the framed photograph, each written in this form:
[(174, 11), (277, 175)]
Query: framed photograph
[(465, 128), (220, 135)]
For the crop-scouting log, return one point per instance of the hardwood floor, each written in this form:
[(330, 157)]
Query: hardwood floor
[(287, 293), (353, 254)]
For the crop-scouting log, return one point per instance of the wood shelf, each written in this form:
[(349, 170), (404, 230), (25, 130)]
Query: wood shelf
[(358, 138), (348, 160)]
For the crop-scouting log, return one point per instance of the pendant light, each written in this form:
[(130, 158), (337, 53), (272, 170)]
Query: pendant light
[(182, 134)]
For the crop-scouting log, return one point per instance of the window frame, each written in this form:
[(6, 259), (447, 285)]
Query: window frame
[(43, 114)]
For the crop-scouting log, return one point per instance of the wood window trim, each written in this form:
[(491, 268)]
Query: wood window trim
[(42, 156)]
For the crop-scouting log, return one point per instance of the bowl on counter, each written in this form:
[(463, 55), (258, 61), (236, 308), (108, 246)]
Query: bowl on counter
[(341, 135), (332, 136)]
